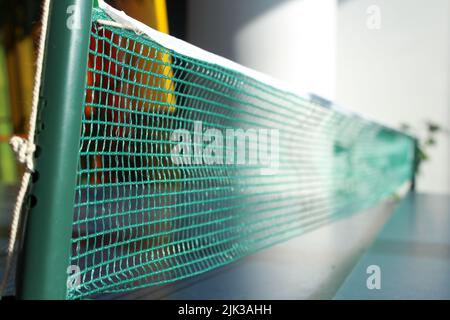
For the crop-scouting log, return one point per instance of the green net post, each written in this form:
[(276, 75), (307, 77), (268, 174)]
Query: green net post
[(46, 246)]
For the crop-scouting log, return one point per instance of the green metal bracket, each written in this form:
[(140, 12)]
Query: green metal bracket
[(46, 246)]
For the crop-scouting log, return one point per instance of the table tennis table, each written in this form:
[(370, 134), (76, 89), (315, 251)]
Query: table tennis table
[(408, 239)]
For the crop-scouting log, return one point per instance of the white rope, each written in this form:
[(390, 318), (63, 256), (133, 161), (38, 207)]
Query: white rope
[(25, 148)]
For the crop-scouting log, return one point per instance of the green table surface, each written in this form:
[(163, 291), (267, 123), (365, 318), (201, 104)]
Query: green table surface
[(412, 252)]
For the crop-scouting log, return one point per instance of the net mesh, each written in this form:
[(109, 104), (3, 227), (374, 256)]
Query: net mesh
[(142, 217)]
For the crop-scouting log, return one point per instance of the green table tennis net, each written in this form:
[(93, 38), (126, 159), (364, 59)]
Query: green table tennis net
[(164, 192)]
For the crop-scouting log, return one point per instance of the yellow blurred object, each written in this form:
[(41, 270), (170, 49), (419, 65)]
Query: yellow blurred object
[(161, 99), (154, 14), (20, 59), (8, 168), (151, 12)]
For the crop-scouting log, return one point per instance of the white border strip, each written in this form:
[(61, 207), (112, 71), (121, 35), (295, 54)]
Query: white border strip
[(122, 20)]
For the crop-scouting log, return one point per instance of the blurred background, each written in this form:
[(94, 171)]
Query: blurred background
[(386, 59)]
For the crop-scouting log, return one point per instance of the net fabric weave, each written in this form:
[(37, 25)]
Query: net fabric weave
[(140, 219)]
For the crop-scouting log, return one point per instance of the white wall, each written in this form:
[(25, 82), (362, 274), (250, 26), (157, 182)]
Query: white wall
[(399, 73), (292, 40)]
